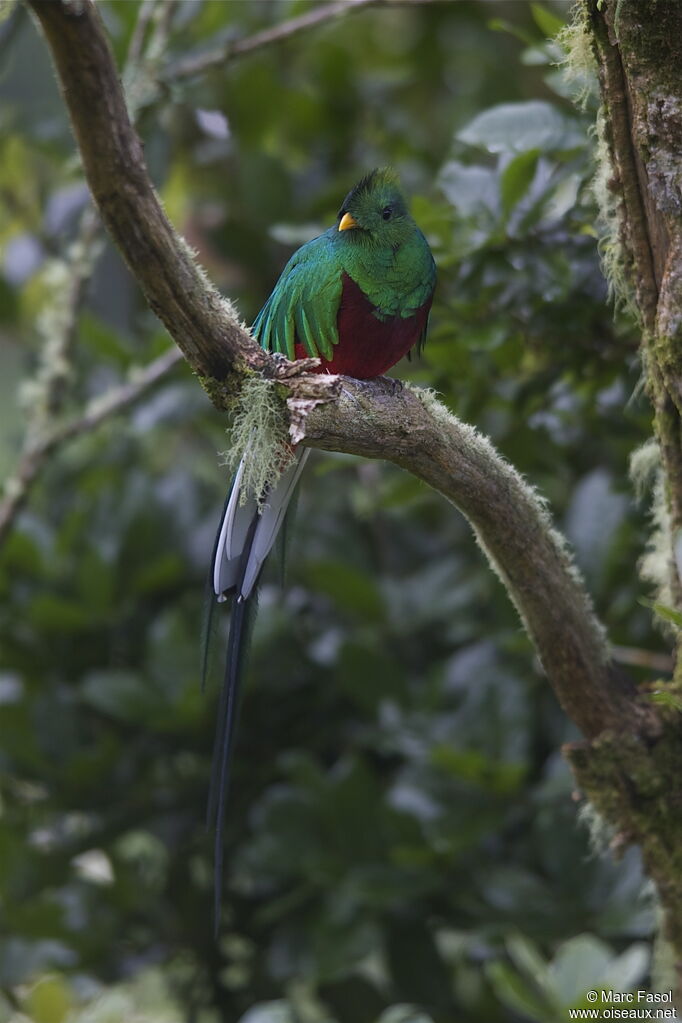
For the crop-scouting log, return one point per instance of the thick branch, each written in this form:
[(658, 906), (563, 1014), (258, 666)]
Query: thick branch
[(641, 85), (202, 323), (512, 525), (627, 173)]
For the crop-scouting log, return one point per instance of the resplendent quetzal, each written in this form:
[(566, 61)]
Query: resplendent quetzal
[(357, 297)]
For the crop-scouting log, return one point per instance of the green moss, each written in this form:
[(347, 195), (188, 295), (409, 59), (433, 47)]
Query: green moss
[(649, 31), (663, 961), (223, 394), (259, 436), (634, 784), (479, 446), (655, 564), (645, 461), (615, 259), (601, 832), (578, 61), (647, 475)]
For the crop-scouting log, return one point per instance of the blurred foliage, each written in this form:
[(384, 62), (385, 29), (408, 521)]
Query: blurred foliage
[(403, 846)]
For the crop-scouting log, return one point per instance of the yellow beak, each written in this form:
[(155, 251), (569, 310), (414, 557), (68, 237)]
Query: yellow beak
[(347, 221)]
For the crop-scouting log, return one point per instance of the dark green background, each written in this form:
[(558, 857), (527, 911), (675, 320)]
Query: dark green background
[(403, 845)]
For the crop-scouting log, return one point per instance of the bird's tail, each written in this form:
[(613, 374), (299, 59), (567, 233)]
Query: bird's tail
[(247, 532)]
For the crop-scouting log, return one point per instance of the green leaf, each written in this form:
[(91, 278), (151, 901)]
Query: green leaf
[(404, 1014), (351, 589), (104, 340), (501, 25), (516, 994), (49, 1001), (474, 767), (547, 21), (58, 614), (528, 960), (419, 972), (116, 692), (518, 127), (517, 177), (269, 1012), (469, 188), (666, 698), (668, 614), (579, 965), (627, 970)]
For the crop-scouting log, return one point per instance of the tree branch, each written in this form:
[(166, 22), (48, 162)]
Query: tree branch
[(512, 526), (367, 418), (203, 324), (44, 395), (39, 448), (49, 387), (641, 87), (137, 39), (227, 51)]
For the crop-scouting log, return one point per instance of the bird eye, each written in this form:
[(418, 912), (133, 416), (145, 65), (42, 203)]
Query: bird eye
[(387, 213)]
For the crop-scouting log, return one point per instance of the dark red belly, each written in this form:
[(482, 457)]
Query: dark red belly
[(367, 347)]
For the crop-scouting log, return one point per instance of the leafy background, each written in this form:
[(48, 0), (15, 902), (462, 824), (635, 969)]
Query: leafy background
[(403, 841)]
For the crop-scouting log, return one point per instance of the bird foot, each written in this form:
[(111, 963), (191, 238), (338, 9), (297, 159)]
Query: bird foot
[(392, 385)]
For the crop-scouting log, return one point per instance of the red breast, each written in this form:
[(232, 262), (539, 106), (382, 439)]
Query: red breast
[(367, 346)]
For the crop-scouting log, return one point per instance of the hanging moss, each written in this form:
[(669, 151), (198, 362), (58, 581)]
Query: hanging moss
[(629, 780), (259, 436), (578, 63), (616, 262)]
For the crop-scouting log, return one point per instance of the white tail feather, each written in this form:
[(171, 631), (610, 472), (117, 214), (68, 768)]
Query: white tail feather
[(271, 519), (237, 519)]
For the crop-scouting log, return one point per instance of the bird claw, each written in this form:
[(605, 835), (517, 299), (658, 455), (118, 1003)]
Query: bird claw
[(393, 385)]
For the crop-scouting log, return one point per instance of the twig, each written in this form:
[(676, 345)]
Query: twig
[(37, 451), (643, 658), (146, 53), (45, 394), (163, 24), (202, 323), (137, 40), (118, 398), (240, 47), (9, 29)]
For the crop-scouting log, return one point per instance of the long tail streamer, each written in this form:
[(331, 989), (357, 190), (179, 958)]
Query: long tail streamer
[(247, 532)]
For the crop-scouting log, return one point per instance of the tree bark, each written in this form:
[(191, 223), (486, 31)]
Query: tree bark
[(638, 47), (632, 760)]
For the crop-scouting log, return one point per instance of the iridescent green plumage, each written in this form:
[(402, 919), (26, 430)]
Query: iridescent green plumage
[(384, 253)]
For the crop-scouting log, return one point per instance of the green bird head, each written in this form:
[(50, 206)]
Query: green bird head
[(375, 212)]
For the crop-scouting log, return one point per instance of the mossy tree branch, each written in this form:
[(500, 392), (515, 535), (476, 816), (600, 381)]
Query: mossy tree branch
[(638, 48), (67, 276), (40, 446), (405, 426), (201, 322)]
